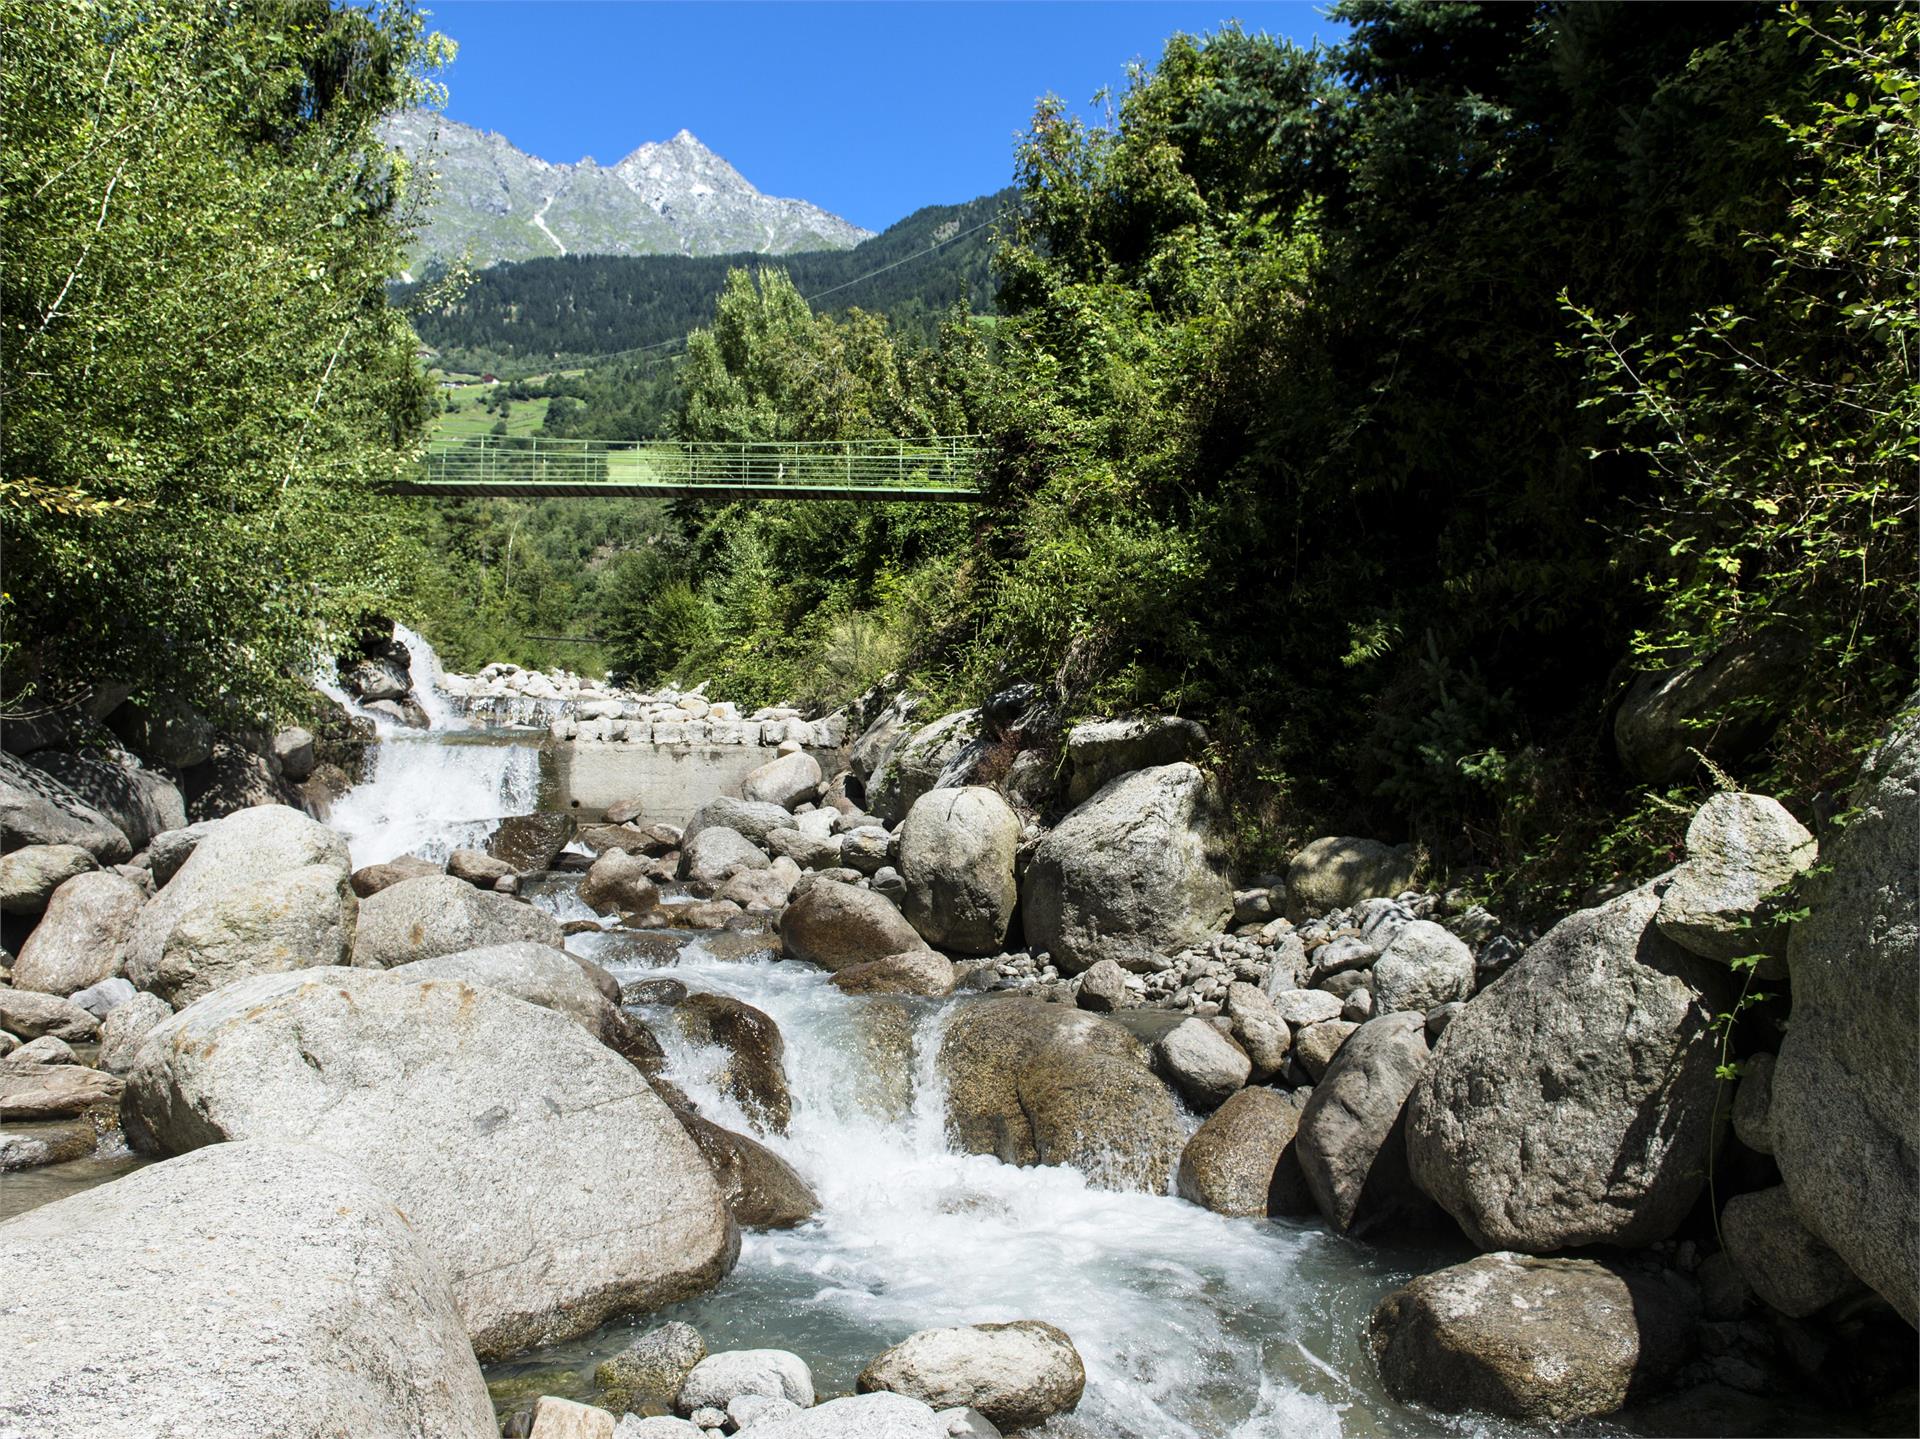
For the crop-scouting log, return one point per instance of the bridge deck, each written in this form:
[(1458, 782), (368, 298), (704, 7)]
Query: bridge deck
[(919, 470)]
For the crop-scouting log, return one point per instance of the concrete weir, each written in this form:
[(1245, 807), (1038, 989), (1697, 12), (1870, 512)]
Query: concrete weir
[(674, 779)]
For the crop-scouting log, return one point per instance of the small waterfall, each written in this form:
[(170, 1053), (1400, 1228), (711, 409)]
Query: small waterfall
[(423, 668)]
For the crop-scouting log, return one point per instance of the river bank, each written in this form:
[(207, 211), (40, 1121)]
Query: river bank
[(952, 1021)]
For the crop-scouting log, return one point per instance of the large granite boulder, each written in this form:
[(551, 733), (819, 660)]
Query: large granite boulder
[(1339, 871), (1541, 1341), (1102, 750), (880, 1415), (619, 882), (1741, 850), (125, 1026), (1422, 968), (716, 854), (837, 925), (541, 1170), (27, 1015), (1575, 1101), (1131, 875), (1018, 1375), (1845, 1112), (956, 856), (1205, 1066), (1352, 1137), (917, 763), (1782, 1260), (292, 920), (752, 1074), (538, 974), (82, 938), (787, 781), (438, 914), (29, 875), (245, 1289), (1037, 1083), (762, 1190), (755, 819), (1242, 1161), (141, 804), (36, 808), (241, 855)]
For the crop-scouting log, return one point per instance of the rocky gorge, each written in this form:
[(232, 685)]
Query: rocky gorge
[(930, 1075)]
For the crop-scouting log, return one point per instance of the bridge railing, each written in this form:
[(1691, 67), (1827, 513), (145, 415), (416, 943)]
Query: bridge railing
[(941, 462)]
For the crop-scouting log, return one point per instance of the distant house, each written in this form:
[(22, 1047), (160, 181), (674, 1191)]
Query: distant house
[(489, 379)]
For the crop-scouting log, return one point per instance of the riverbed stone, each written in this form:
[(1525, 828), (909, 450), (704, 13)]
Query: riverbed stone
[(541, 975), (295, 919), (1576, 1101), (251, 1288), (652, 1367), (293, 751), (1753, 1104), (1038, 1083), (1302, 1007), (1540, 1341), (619, 882), (859, 1416), (804, 848), (834, 925), (787, 781), (438, 914), (1352, 1135), (1262, 1033), (1339, 871), (917, 971), (1422, 967), (732, 1372), (82, 938), (1845, 1114), (557, 1418), (27, 1014), (104, 996), (1131, 875), (125, 1026), (369, 880), (30, 875), (761, 1189), (1018, 1375), (957, 851), (1242, 1160), (529, 843), (1741, 849), (760, 891), (1204, 1065), (756, 819), (54, 1091), (37, 809), (478, 868), (44, 1050), (754, 1074), (917, 762), (1781, 1259), (717, 853), (478, 1114), (1099, 751), (137, 801), (35, 1144), (1103, 988), (1315, 1046), (234, 779)]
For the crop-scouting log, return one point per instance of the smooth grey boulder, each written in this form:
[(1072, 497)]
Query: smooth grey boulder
[(919, 762), (28, 1015), (1131, 875), (1845, 1116), (1315, 1046), (1037, 1083), (1782, 1260), (542, 1171), (478, 868), (539, 974), (296, 919), (370, 879), (787, 781), (245, 1289), (716, 854), (1204, 1065), (1262, 1033), (724, 1376), (232, 853), (82, 938), (957, 857), (652, 1367), (1575, 1101), (1018, 1375), (171, 850), (1352, 1136), (619, 882), (31, 1091), (1242, 1160), (1541, 1341), (125, 1026), (755, 819), (1103, 988), (1339, 871), (836, 925), (293, 751), (103, 997), (438, 914), (1717, 704), (30, 875), (1302, 1007), (859, 1416), (1103, 750), (138, 802), (918, 971), (1753, 1104), (809, 851), (1741, 850), (1423, 967), (36, 808)]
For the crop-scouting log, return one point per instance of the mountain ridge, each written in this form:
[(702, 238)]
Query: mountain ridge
[(496, 202)]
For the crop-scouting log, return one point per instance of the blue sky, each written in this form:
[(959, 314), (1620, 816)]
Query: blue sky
[(869, 109)]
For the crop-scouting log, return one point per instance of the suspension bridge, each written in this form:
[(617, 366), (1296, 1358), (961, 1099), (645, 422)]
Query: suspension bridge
[(928, 468)]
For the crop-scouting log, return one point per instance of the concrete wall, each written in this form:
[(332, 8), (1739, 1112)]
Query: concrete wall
[(672, 781)]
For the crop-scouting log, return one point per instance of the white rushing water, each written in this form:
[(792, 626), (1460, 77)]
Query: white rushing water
[(1191, 1325)]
